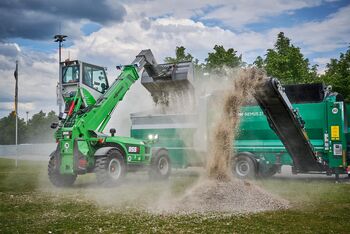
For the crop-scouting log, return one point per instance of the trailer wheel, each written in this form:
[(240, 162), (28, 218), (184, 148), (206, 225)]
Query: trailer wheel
[(55, 177), (110, 169), (160, 168), (244, 167)]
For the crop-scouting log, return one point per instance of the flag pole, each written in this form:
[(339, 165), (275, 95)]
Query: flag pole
[(16, 110), (59, 38)]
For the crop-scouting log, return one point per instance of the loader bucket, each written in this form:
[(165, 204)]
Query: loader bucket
[(172, 78)]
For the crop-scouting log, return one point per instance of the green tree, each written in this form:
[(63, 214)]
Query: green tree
[(337, 74), (8, 130), (222, 58), (39, 130), (287, 63), (181, 56), (259, 62)]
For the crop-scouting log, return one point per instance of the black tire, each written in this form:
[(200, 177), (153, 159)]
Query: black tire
[(268, 172), (160, 168), (244, 167), (55, 177), (110, 169)]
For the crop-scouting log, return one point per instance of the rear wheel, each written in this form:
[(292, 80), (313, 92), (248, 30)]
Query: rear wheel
[(55, 177), (244, 167), (110, 169), (160, 166)]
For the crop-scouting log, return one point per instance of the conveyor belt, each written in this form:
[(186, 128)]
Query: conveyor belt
[(287, 125)]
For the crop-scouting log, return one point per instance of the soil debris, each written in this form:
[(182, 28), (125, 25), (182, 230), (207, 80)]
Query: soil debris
[(234, 197), (242, 89)]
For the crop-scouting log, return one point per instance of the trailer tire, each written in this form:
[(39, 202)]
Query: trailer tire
[(55, 177), (160, 168), (244, 166), (111, 168)]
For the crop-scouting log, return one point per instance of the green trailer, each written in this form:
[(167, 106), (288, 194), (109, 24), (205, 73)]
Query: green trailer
[(318, 142)]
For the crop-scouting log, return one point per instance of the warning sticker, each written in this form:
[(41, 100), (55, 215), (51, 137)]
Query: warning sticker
[(337, 149), (335, 132)]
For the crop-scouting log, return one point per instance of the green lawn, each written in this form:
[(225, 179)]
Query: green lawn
[(29, 204)]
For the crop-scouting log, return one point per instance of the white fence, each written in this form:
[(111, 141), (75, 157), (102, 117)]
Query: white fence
[(27, 151)]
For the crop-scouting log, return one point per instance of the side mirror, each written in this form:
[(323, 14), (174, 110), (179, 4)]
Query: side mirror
[(112, 131)]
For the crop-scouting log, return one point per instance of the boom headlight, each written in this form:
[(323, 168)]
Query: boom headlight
[(153, 137)]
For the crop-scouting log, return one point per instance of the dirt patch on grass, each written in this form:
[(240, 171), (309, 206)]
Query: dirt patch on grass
[(235, 196)]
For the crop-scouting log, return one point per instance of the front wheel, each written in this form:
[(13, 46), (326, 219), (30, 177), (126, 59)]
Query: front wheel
[(55, 177), (160, 166), (243, 167), (110, 169)]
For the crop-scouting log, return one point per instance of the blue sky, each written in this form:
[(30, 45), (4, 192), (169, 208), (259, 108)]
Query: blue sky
[(112, 32)]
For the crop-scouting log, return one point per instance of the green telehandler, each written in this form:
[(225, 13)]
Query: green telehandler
[(82, 147)]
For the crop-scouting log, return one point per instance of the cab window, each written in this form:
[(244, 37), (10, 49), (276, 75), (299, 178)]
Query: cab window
[(95, 77), (70, 74)]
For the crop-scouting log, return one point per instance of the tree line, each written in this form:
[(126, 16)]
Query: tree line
[(284, 61), (36, 130)]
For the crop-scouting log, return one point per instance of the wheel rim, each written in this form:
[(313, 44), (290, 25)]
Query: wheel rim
[(114, 168), (242, 168), (163, 166)]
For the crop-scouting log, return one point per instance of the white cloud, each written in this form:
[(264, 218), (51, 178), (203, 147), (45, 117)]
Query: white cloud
[(321, 36), (234, 14), (237, 14), (119, 44), (322, 62)]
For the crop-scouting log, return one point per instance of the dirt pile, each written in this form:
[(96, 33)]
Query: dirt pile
[(221, 148), (235, 197)]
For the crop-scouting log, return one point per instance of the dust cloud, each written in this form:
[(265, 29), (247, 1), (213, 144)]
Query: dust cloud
[(217, 190)]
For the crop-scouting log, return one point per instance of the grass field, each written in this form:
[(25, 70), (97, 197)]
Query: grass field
[(30, 204)]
